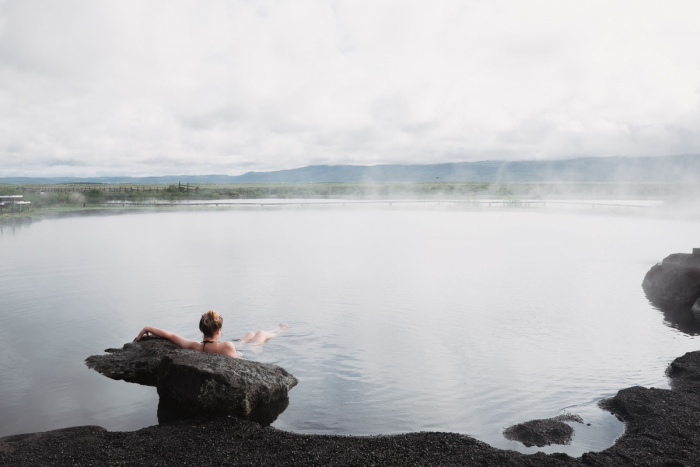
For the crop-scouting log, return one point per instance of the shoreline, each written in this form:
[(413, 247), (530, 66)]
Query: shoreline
[(62, 213), (661, 427)]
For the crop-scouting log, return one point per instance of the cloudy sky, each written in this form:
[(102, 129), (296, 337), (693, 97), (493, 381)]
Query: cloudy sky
[(170, 87)]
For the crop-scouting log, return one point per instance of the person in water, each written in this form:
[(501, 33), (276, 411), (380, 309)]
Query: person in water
[(210, 325)]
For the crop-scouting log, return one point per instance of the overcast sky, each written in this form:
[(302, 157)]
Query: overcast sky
[(198, 87)]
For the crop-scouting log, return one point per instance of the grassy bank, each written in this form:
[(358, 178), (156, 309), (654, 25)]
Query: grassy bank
[(103, 192), (66, 197)]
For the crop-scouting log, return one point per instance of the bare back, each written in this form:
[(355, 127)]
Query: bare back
[(223, 348)]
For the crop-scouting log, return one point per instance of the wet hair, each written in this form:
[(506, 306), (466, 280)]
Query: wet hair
[(210, 323)]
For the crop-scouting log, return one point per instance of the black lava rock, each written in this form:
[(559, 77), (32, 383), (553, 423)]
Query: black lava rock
[(543, 432), (196, 382), (675, 281)]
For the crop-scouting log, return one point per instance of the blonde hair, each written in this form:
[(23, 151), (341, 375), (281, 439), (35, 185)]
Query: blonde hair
[(210, 323)]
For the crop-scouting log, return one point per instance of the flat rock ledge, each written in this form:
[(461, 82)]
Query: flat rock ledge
[(196, 382), (543, 432), (662, 427)]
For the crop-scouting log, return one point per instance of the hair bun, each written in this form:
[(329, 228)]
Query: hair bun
[(210, 322)]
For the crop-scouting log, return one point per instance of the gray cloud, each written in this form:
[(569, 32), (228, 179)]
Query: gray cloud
[(141, 88)]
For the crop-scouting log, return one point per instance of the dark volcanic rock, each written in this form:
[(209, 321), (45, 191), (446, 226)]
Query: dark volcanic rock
[(676, 281), (264, 415), (195, 381), (696, 310), (217, 440), (543, 432), (136, 362), (661, 428), (684, 372), (684, 259)]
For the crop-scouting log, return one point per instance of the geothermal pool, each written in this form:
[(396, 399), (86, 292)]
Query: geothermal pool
[(462, 321)]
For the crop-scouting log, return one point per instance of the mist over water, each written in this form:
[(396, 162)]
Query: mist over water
[(401, 320)]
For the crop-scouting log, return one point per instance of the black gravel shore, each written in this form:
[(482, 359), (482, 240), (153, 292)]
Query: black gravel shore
[(662, 428)]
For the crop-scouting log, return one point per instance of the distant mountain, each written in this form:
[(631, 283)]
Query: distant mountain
[(684, 168), (681, 169)]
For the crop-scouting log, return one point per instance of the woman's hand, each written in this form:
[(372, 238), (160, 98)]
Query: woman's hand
[(145, 331)]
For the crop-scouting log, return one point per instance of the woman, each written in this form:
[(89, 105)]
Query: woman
[(210, 325)]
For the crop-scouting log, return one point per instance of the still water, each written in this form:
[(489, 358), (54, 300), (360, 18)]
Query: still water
[(401, 320)]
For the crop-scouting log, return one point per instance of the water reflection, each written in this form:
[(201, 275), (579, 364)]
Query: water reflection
[(14, 226), (679, 317), (264, 415)]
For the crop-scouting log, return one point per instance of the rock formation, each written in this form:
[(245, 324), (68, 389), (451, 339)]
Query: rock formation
[(543, 432), (195, 381), (675, 281), (696, 310)]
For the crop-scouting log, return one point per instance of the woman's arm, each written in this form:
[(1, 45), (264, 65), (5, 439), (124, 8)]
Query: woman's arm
[(174, 338)]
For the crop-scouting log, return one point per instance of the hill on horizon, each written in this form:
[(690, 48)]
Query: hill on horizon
[(659, 169)]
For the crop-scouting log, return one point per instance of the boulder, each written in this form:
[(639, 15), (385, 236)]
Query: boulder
[(696, 310), (684, 259), (543, 432), (196, 382), (675, 281)]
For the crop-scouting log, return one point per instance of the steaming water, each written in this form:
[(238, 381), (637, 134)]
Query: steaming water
[(401, 320)]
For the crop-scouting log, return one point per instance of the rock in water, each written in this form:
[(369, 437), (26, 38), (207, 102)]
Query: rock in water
[(195, 381), (675, 281), (543, 432), (696, 310)]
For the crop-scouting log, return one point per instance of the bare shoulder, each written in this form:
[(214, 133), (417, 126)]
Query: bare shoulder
[(228, 346), (229, 349)]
